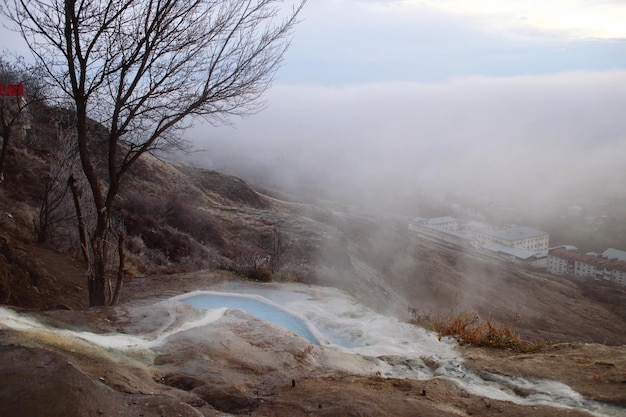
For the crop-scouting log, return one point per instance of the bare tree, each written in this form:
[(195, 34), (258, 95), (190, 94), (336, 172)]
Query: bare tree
[(56, 207), (20, 88), (144, 69)]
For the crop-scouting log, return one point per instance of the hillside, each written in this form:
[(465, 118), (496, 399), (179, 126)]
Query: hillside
[(179, 218), (188, 228)]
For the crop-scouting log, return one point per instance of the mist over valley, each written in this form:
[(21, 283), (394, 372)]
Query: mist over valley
[(520, 150), (333, 208)]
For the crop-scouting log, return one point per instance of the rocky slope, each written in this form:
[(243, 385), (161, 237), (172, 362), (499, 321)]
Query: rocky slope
[(240, 365), (181, 220)]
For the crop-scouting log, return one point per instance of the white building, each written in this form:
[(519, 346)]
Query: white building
[(441, 223), (586, 266), (445, 223), (619, 274), (525, 238), (516, 244), (558, 263), (614, 254)]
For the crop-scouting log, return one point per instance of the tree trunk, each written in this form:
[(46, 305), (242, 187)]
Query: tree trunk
[(6, 135), (226, 52), (43, 225), (79, 217), (98, 293), (96, 273), (120, 270)]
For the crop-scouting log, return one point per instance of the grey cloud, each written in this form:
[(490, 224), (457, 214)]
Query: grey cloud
[(351, 42), (538, 138)]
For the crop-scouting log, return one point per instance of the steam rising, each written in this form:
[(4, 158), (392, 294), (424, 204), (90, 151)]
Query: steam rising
[(542, 140), (374, 343)]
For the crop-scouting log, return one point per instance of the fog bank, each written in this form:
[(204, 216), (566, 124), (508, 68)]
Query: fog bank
[(540, 139)]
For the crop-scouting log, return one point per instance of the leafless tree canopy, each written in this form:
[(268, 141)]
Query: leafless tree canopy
[(145, 65), (145, 68), (15, 111)]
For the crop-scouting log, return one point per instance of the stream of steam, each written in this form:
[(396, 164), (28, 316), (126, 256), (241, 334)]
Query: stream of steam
[(404, 350)]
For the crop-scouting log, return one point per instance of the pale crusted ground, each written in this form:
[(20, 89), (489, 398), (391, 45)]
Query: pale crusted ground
[(241, 366)]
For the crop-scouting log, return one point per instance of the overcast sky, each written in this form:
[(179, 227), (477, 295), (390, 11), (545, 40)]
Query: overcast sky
[(357, 41), (496, 97)]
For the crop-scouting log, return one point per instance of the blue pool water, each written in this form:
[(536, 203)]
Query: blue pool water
[(254, 307)]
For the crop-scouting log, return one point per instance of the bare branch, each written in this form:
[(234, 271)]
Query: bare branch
[(144, 69)]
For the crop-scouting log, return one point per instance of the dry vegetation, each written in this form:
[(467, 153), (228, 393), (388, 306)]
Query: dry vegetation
[(468, 328)]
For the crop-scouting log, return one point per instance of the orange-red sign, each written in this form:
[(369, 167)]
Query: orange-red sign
[(11, 90)]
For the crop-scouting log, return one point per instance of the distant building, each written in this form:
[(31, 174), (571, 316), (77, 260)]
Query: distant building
[(443, 229), (614, 254), (619, 274), (516, 255), (474, 225), (514, 244), (575, 211), (587, 266), (519, 237), (561, 261), (445, 223)]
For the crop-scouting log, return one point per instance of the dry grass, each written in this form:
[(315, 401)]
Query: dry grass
[(468, 328)]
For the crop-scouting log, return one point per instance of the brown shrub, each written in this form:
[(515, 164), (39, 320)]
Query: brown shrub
[(179, 213), (259, 274), (468, 328), (143, 214)]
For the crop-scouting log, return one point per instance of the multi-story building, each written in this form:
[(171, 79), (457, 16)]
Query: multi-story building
[(561, 261), (514, 244), (587, 266), (443, 223), (614, 254), (619, 274), (519, 237)]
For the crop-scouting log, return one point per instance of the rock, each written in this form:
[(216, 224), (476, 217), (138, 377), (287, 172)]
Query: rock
[(183, 382), (42, 383), (227, 399)]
